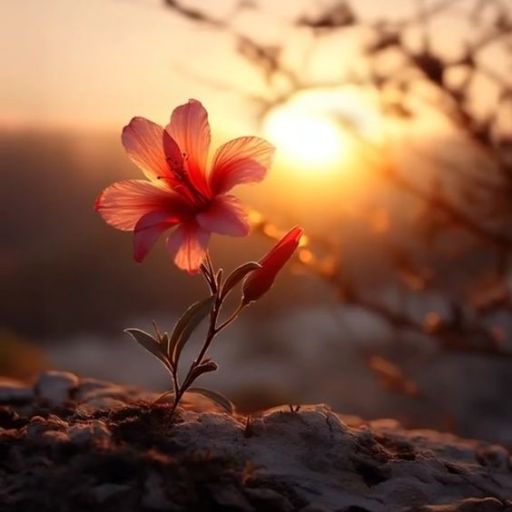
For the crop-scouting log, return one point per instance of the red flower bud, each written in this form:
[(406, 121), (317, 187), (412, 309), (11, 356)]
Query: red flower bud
[(262, 279)]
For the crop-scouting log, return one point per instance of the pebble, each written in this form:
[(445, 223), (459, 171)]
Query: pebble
[(54, 437), (13, 391), (103, 403), (493, 456), (90, 386), (56, 387), (50, 431), (95, 431), (38, 425)]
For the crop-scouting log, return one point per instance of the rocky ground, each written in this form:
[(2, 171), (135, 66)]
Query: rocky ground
[(70, 444)]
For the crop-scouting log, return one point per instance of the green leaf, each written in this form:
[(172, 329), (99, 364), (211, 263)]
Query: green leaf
[(207, 366), (151, 344), (218, 398), (237, 275), (185, 326)]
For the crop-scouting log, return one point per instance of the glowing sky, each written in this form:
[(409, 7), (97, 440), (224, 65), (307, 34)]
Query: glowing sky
[(95, 62), (91, 62)]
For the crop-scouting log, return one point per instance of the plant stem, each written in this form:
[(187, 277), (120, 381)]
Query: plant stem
[(214, 286), (175, 381), (212, 331), (177, 398), (231, 319), (211, 273), (210, 278)]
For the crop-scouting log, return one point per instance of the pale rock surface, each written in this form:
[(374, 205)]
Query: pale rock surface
[(81, 445), (56, 387), (14, 391)]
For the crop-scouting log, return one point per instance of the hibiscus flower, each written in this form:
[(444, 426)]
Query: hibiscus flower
[(183, 192)]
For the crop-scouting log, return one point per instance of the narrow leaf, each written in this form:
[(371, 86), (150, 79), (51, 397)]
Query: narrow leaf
[(237, 275), (218, 398), (164, 342), (206, 367), (186, 325), (151, 344), (218, 277)]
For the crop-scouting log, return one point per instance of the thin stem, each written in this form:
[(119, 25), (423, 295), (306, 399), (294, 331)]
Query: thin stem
[(208, 278), (231, 319), (177, 399), (211, 271), (211, 331), (211, 278), (175, 381)]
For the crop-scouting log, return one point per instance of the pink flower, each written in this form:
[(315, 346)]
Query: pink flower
[(182, 190), (262, 279)]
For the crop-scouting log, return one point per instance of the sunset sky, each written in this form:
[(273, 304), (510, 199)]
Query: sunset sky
[(93, 63)]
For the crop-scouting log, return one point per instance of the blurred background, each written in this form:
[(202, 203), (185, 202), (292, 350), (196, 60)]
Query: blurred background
[(394, 137)]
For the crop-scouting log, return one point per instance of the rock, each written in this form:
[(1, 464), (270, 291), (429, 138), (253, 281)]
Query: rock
[(53, 437), (12, 391), (229, 497), (88, 392), (494, 455), (38, 425), (94, 431), (267, 499), (116, 450), (106, 491), (9, 418), (49, 431), (154, 496), (467, 505), (102, 403), (88, 386), (56, 387), (385, 424)]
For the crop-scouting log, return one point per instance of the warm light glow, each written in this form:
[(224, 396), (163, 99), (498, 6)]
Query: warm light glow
[(306, 140), (321, 131)]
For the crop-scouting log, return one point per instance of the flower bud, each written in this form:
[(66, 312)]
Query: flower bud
[(262, 279)]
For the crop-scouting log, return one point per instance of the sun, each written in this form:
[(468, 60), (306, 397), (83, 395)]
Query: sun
[(306, 139), (319, 131)]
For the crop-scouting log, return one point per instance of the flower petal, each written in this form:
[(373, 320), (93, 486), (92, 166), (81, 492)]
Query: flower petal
[(122, 204), (225, 216), (242, 160), (148, 230), (144, 143), (188, 244), (189, 127)]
